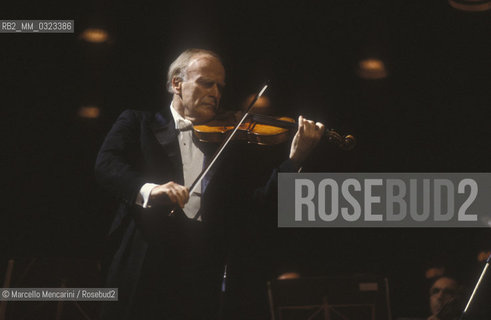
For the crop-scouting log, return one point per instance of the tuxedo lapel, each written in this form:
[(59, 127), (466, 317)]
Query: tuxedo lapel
[(166, 134)]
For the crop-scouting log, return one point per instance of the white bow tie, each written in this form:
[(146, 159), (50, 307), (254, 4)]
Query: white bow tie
[(184, 125)]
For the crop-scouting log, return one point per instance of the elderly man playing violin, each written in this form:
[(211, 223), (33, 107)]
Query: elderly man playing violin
[(171, 266)]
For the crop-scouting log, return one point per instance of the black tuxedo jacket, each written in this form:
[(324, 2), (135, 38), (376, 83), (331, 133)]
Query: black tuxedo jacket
[(142, 148)]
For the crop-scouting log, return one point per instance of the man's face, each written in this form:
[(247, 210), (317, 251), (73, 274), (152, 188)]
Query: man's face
[(442, 291), (201, 90)]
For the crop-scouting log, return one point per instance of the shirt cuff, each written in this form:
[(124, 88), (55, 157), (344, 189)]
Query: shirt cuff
[(144, 194)]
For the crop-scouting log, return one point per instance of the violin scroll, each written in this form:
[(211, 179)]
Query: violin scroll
[(347, 142)]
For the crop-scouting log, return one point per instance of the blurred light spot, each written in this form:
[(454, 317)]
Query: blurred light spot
[(434, 272), (89, 112), (372, 69), (262, 105), (288, 275), (470, 5), (95, 35), (483, 256)]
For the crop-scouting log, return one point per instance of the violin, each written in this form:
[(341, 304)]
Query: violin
[(254, 128), (451, 310), (263, 130)]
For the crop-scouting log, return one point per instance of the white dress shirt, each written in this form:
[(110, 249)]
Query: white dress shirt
[(192, 164)]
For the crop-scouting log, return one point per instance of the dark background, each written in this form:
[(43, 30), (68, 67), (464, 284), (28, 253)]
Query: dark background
[(429, 115)]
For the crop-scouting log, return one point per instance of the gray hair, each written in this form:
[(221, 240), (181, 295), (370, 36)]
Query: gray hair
[(179, 66)]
